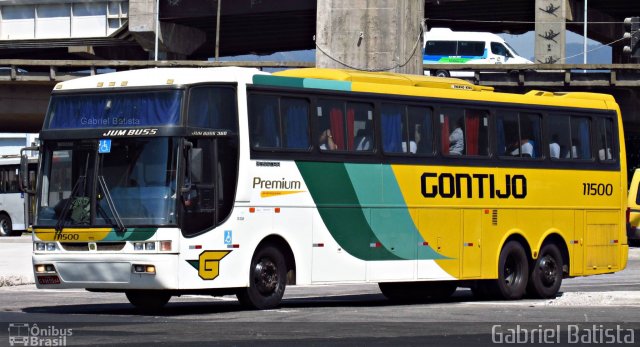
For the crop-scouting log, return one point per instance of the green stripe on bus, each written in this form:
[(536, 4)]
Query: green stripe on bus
[(338, 205), (131, 234), (268, 80), (392, 224), (326, 84)]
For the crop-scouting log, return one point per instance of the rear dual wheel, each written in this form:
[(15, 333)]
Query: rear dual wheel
[(513, 274), (515, 278), (546, 274)]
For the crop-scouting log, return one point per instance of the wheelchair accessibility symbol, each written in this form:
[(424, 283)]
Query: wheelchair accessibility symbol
[(227, 237), (104, 146)]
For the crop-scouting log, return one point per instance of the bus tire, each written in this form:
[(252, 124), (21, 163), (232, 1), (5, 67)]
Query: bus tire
[(513, 272), (148, 300), (441, 73), (6, 228), (545, 277), (267, 280)]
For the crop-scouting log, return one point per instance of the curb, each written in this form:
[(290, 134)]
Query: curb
[(14, 280)]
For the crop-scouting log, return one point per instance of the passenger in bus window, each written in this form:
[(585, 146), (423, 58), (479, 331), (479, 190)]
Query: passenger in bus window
[(363, 141), (413, 146), (524, 149), (604, 153), (456, 139), (554, 146), (326, 141), (573, 153)]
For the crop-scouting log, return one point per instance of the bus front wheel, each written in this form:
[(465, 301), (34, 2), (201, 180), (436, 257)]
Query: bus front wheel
[(5, 225), (513, 272), (545, 278), (147, 300), (267, 280)]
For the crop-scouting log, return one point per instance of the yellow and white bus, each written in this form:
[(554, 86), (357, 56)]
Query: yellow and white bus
[(164, 182)]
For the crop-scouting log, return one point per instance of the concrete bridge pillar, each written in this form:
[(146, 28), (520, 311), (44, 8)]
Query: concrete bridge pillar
[(382, 35), (551, 17), (175, 41)]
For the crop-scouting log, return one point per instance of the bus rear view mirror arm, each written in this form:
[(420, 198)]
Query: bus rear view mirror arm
[(24, 170)]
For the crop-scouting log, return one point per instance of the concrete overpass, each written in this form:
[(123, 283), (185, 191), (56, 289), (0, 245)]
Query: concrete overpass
[(125, 29)]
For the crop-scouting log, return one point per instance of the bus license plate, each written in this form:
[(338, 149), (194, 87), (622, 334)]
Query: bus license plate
[(48, 280)]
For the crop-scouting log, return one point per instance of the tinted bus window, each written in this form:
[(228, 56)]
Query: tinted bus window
[(518, 134), (279, 122), (580, 138), (471, 48), (344, 126), (445, 48), (605, 140), (407, 129), (213, 107), (464, 131)]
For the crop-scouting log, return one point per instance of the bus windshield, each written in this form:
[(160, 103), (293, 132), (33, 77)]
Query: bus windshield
[(131, 184)]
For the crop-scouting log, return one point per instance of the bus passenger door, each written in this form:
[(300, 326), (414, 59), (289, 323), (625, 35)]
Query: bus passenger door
[(471, 237)]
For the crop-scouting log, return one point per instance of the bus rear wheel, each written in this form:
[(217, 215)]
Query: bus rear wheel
[(545, 278), (267, 280), (6, 228), (513, 272), (148, 300)]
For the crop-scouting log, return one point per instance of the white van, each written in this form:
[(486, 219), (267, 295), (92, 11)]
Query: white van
[(444, 46)]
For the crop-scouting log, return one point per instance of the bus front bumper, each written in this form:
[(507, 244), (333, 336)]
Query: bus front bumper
[(112, 272)]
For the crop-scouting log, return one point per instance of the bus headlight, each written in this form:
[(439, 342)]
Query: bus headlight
[(150, 246), (45, 268), (144, 269), (138, 246), (45, 246)]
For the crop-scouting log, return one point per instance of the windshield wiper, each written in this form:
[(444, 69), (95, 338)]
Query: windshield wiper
[(110, 204), (67, 205)]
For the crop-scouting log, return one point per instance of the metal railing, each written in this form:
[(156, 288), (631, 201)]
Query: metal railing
[(520, 75)]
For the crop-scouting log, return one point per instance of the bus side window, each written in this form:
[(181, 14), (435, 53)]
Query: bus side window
[(344, 126), (580, 138), (392, 124), (519, 134), (278, 122), (213, 108), (605, 139), (421, 126), (263, 121)]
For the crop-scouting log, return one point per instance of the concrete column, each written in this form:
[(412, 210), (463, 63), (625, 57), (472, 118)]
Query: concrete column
[(382, 35), (177, 39), (551, 17)]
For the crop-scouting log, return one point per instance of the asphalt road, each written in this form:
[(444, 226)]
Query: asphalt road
[(587, 309)]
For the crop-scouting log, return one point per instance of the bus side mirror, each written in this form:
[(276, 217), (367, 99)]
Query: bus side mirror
[(23, 173), (195, 165)]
